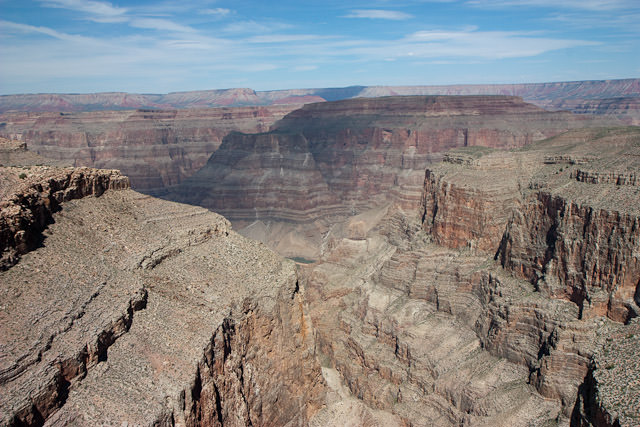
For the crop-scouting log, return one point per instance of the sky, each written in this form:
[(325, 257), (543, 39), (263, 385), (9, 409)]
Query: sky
[(143, 46)]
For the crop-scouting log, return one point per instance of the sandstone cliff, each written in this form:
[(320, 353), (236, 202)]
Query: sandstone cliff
[(155, 148), (135, 310), (328, 161), (423, 317)]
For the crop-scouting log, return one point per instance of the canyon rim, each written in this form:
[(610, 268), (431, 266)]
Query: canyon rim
[(443, 256)]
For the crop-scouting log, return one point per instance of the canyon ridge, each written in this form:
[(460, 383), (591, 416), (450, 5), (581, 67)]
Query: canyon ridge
[(454, 260)]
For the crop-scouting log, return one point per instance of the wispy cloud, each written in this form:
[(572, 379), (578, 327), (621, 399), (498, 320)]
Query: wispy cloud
[(160, 25), (13, 27), (285, 38), (594, 5), (218, 11), (96, 10), (254, 27), (378, 14), (481, 44), (305, 67)]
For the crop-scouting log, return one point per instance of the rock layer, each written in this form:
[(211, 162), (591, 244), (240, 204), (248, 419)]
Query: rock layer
[(325, 162), (155, 148), (423, 318), (141, 311), (553, 94)]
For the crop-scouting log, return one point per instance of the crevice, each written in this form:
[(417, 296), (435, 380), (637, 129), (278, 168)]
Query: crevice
[(55, 395)]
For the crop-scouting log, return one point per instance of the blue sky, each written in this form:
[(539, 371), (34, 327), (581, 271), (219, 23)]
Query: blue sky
[(144, 46)]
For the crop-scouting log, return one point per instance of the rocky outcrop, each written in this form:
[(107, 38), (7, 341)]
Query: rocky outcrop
[(141, 311), (421, 317), (610, 395), (37, 194), (155, 148), (326, 162)]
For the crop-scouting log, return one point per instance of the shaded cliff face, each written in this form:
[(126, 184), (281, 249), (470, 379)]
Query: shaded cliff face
[(325, 162), (423, 318), (136, 310), (155, 148)]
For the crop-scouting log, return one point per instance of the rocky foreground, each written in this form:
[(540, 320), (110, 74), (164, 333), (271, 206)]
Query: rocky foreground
[(134, 310)]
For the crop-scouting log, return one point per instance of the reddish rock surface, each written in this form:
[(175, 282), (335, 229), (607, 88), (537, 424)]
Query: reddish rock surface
[(155, 148), (542, 94), (330, 160)]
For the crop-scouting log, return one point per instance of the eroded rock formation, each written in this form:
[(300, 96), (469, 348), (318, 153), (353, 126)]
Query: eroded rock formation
[(154, 148), (136, 310), (423, 316), (325, 162)]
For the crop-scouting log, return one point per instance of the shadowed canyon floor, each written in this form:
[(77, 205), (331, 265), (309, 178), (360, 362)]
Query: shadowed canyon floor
[(501, 287)]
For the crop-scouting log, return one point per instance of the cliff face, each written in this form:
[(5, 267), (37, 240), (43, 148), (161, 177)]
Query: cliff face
[(155, 148), (136, 310), (30, 196), (325, 162), (423, 317)]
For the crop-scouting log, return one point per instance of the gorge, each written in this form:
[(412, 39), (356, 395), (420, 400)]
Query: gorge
[(464, 260)]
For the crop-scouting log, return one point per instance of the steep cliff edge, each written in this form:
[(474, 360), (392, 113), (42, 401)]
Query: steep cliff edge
[(141, 311), (154, 148), (326, 162), (572, 238), (422, 318)]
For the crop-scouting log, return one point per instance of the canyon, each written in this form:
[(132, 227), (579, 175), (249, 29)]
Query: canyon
[(460, 260), (154, 148), (160, 140), (326, 162)]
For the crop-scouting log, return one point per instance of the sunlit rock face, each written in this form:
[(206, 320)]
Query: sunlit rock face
[(326, 162)]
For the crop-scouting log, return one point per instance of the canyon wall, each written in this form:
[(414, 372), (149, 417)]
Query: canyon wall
[(135, 310), (328, 161), (422, 317), (155, 148)]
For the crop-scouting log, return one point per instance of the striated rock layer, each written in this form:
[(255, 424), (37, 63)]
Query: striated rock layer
[(542, 94), (155, 148), (462, 313), (328, 161), (132, 310)]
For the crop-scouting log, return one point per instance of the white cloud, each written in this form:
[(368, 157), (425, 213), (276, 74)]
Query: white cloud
[(284, 38), (219, 11), (305, 67), (378, 14), (255, 27), (13, 27), (595, 5), (98, 11), (160, 24)]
